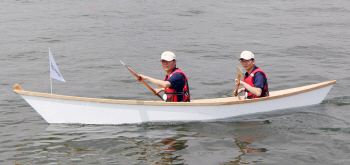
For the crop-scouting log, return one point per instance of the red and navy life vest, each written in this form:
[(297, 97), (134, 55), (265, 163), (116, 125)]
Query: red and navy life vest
[(172, 94), (249, 80)]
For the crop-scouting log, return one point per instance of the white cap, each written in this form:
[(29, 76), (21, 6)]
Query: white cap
[(247, 55), (167, 56)]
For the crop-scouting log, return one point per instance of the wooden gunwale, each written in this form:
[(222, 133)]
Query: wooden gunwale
[(200, 102)]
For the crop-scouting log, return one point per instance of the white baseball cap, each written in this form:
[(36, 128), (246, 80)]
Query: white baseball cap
[(247, 55), (167, 56)]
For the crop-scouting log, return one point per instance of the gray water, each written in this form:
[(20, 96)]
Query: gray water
[(295, 42)]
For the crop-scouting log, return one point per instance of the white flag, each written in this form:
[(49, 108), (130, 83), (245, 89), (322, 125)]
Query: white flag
[(54, 72)]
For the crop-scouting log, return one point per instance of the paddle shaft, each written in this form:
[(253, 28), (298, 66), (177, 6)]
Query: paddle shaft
[(138, 77)]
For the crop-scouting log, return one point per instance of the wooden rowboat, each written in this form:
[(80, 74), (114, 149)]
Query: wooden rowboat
[(82, 110)]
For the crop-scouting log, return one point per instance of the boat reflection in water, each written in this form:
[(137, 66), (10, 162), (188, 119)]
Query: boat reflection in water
[(168, 157), (230, 139), (183, 143)]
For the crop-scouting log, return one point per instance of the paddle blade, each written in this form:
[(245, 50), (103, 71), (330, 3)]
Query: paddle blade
[(237, 86), (131, 71), (239, 78), (239, 72), (122, 62)]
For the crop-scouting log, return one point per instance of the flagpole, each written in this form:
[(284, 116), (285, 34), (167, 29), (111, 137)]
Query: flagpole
[(50, 72), (51, 84)]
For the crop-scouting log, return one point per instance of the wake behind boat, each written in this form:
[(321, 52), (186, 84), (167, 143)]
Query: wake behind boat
[(83, 110)]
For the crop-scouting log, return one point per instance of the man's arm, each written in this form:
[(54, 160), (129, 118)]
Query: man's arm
[(259, 80), (255, 90), (159, 83)]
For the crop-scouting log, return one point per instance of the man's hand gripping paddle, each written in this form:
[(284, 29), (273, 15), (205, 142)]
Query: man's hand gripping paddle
[(239, 77)]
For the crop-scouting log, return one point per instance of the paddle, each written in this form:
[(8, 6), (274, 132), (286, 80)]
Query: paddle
[(138, 77), (240, 75)]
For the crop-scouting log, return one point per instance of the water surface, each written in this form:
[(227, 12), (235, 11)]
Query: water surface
[(295, 42)]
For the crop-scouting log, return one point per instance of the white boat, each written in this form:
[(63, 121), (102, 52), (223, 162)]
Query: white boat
[(82, 110)]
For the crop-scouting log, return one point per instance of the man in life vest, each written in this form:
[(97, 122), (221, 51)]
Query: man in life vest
[(175, 84), (255, 80)]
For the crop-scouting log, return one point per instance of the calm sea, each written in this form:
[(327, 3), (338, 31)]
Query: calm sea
[(295, 42)]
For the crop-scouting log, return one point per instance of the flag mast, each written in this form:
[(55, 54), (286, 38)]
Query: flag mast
[(51, 84), (50, 71)]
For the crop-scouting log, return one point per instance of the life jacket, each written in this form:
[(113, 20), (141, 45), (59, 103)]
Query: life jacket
[(249, 80), (172, 94)]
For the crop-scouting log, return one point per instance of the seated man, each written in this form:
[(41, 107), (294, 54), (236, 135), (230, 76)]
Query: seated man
[(255, 80), (175, 83)]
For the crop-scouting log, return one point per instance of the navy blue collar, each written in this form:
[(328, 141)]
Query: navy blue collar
[(246, 73), (174, 69)]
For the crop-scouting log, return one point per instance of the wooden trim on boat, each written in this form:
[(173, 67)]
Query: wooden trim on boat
[(200, 102)]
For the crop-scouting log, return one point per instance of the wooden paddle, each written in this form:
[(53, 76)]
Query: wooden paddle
[(240, 75), (138, 77)]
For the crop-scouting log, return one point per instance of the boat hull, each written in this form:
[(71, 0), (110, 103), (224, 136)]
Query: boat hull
[(56, 110)]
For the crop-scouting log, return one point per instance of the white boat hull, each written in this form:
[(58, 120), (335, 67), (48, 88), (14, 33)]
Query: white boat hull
[(74, 111)]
